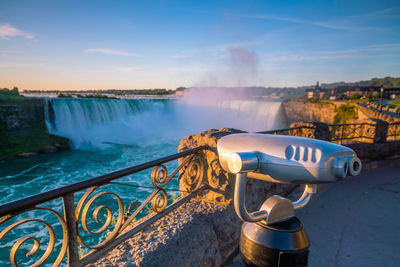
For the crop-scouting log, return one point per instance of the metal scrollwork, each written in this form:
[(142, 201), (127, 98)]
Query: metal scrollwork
[(160, 201), (193, 176), (95, 214), (36, 241), (159, 176), (190, 170)]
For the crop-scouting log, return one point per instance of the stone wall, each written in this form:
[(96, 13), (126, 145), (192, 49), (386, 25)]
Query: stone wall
[(377, 115), (374, 151), (367, 131)]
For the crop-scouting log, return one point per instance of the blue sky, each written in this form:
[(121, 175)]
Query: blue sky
[(166, 44)]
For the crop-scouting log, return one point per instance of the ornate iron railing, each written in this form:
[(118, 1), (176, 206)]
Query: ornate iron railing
[(350, 131), (287, 131), (393, 130), (115, 226), (340, 133)]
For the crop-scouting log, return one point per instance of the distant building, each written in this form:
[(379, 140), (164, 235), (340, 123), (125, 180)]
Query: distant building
[(353, 92), (347, 91), (316, 92), (391, 93), (309, 93)]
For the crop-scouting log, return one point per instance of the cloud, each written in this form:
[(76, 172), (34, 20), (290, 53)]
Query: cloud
[(299, 21), (7, 31), (335, 25), (113, 52), (369, 51), (126, 69)]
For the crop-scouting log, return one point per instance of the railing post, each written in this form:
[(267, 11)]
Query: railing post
[(69, 215), (381, 131)]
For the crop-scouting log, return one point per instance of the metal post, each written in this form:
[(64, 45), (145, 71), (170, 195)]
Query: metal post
[(380, 106), (69, 215), (341, 134)]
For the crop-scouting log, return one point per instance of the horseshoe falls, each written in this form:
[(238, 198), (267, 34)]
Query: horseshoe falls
[(97, 123)]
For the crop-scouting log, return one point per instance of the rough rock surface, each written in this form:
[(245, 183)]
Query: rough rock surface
[(297, 110), (316, 130), (196, 234), (215, 177), (203, 232), (23, 130)]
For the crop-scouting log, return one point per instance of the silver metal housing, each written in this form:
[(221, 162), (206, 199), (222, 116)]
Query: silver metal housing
[(287, 159)]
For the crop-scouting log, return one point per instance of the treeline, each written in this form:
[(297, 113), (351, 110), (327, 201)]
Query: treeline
[(13, 92), (110, 91), (11, 95), (86, 96), (386, 82)]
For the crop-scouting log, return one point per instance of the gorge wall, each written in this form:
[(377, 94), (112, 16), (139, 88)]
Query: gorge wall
[(299, 110), (324, 111), (23, 130), (17, 117)]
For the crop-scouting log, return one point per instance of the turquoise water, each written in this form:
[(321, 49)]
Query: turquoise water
[(107, 135)]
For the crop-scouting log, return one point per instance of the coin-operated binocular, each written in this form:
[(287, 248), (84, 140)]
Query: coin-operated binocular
[(273, 235)]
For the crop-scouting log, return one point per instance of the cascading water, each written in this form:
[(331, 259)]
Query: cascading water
[(99, 122)]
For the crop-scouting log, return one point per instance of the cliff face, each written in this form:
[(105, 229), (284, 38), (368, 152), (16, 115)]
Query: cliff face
[(297, 110), (23, 130), (17, 117)]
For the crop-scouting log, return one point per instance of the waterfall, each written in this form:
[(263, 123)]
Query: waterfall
[(92, 123)]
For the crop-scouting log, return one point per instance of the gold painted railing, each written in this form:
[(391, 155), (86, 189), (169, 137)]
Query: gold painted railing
[(394, 130), (19, 215), (351, 131)]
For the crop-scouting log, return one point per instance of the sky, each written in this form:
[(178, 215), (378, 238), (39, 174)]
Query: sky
[(84, 45)]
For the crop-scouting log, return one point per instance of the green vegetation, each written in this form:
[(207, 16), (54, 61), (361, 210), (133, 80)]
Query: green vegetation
[(109, 91), (386, 82), (13, 95), (33, 142), (395, 102), (97, 95), (364, 100), (344, 113), (63, 95), (318, 101), (397, 110), (355, 96)]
